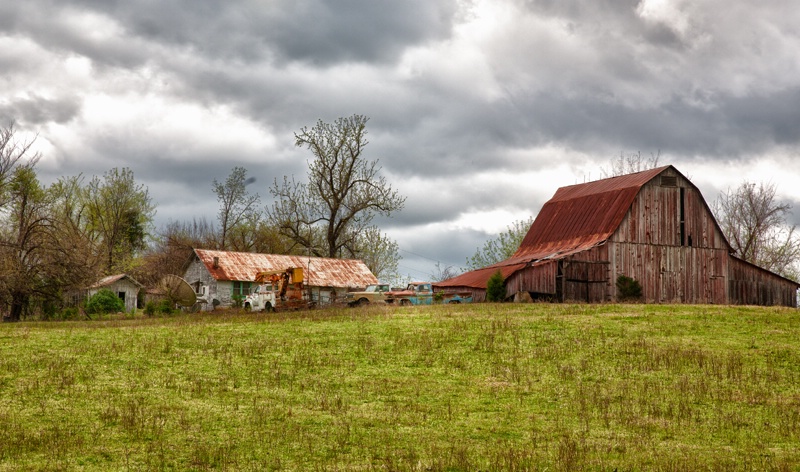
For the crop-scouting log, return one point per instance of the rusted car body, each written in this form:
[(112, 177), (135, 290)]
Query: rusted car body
[(423, 293), (374, 293)]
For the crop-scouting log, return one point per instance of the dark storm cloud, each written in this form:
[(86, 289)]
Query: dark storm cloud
[(317, 31), (464, 97), (38, 110)]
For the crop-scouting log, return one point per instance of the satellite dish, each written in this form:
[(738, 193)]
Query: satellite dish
[(178, 291)]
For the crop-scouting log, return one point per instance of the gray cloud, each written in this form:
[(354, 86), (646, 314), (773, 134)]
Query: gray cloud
[(474, 105)]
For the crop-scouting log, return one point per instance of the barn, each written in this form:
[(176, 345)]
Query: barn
[(219, 276), (653, 226)]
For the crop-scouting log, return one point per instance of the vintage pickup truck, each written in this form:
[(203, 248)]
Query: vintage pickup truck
[(422, 293), (374, 293)]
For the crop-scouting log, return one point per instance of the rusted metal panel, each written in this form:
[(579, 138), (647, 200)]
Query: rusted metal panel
[(319, 271)]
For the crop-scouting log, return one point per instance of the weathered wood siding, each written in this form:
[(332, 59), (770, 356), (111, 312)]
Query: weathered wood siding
[(752, 285), (539, 279), (670, 274), (669, 242), (655, 216)]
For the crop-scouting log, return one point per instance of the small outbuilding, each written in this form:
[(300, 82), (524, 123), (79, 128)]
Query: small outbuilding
[(123, 285), (218, 277), (652, 226)]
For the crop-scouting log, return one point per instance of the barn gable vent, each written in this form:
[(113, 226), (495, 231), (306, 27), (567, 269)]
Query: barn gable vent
[(669, 181)]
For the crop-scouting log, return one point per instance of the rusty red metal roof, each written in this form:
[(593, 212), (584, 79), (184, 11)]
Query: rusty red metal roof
[(478, 278), (582, 216), (576, 218), (319, 271), (106, 281)]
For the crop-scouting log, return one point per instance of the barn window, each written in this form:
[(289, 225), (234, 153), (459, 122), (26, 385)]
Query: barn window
[(669, 181)]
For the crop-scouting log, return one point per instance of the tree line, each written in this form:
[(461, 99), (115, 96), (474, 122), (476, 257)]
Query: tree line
[(57, 240)]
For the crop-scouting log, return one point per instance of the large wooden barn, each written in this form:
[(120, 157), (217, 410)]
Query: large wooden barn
[(653, 226)]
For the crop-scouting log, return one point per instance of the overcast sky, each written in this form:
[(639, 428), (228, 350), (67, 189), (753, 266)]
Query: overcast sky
[(479, 110)]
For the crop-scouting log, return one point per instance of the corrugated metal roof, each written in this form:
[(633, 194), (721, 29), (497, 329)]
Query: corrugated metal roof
[(582, 216), (319, 271), (108, 280), (577, 218), (478, 278)]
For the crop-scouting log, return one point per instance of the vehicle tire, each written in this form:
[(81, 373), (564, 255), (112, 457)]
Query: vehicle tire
[(362, 302), (247, 307), (268, 308), (454, 302), (405, 302)]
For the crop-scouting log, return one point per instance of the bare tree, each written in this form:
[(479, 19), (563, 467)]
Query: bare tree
[(237, 206), (443, 273), (633, 162), (755, 223), (171, 249), (343, 194)]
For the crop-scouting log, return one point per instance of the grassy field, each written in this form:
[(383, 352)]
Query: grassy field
[(470, 387)]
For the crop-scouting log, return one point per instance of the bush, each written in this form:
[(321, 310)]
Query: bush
[(496, 288), (628, 289), (104, 301), (162, 307)]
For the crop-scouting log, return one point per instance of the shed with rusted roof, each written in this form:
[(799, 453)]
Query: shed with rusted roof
[(653, 226), (220, 276)]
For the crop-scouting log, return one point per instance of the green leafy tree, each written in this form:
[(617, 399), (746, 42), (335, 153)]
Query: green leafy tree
[(343, 194), (502, 247), (237, 209), (379, 252), (496, 288), (120, 216)]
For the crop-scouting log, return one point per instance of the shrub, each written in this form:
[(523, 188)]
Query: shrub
[(628, 289), (104, 301), (150, 308), (496, 288), (165, 307)]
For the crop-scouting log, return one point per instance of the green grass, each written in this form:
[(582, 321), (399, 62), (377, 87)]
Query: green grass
[(470, 387)]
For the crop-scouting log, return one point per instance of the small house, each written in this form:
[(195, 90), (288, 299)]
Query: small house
[(220, 277), (123, 285), (652, 226)]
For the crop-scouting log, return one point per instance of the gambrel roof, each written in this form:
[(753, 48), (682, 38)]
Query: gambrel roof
[(578, 217)]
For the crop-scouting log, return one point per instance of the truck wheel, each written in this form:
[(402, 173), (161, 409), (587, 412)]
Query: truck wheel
[(247, 307), (405, 302), (362, 302), (268, 307), (454, 302)]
